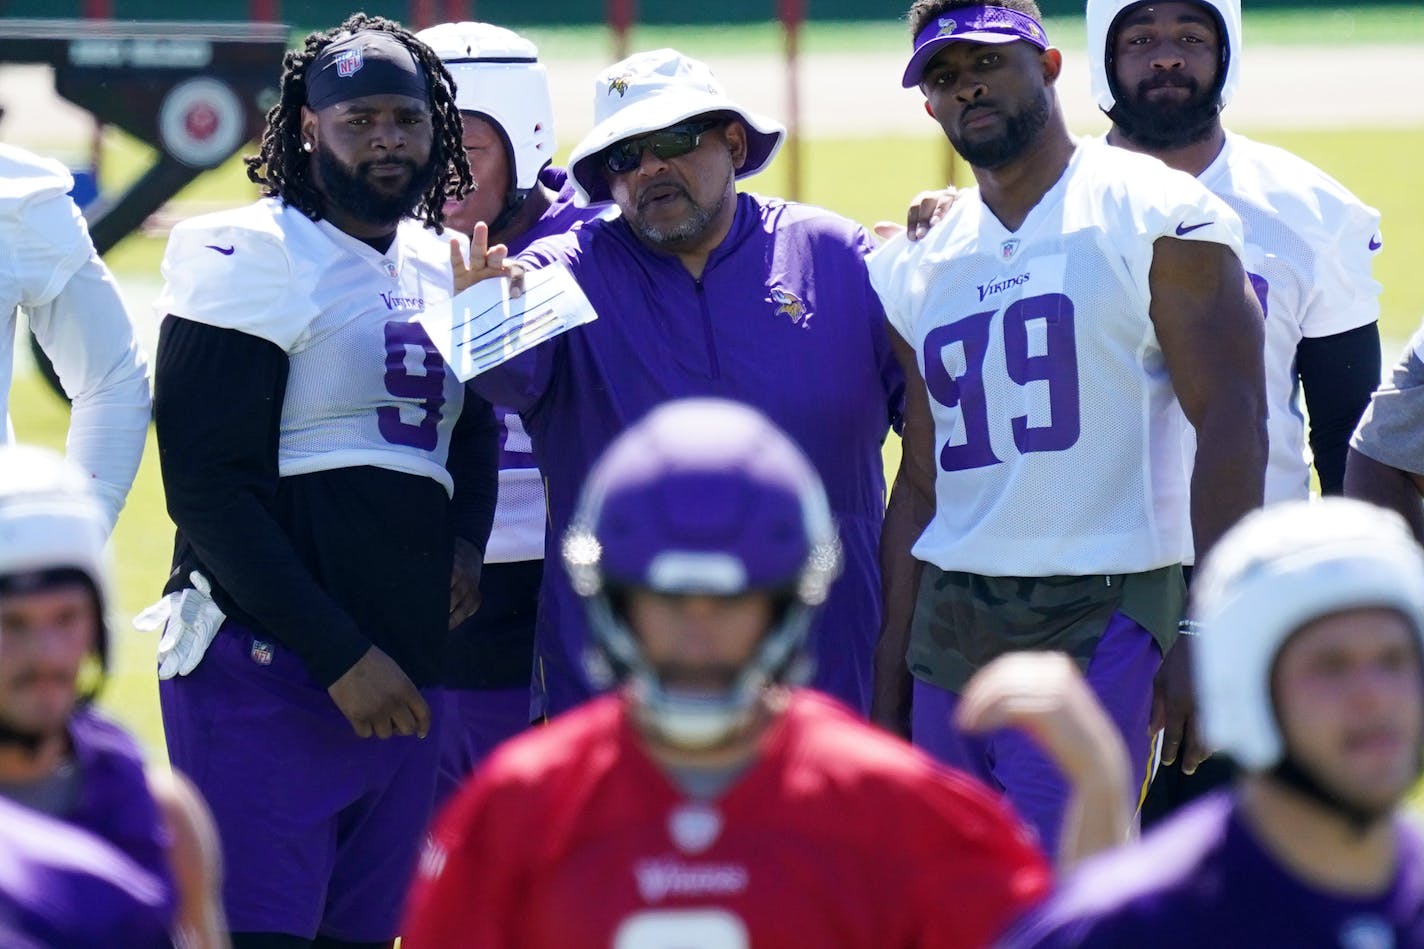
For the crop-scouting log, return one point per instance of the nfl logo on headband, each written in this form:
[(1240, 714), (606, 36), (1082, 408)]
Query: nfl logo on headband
[(348, 63)]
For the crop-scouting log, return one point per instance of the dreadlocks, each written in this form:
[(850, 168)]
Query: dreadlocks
[(284, 170)]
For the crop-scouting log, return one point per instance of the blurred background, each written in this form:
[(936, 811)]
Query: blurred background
[(152, 109)]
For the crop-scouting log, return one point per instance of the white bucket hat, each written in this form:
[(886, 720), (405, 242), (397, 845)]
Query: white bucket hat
[(650, 91)]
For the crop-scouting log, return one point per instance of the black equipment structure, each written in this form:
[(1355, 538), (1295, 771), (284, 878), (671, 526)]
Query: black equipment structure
[(196, 92)]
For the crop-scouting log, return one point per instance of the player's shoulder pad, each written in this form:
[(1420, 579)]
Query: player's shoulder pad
[(1143, 197), (1301, 196), (233, 270)]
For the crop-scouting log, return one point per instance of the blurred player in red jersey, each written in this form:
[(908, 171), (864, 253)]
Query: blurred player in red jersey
[(709, 802)]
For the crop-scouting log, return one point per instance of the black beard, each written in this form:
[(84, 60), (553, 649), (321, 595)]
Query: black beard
[(1020, 129), (349, 190), (1166, 126)]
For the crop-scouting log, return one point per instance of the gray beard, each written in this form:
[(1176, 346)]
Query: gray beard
[(690, 228)]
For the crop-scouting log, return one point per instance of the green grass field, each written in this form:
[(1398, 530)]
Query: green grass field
[(867, 180)]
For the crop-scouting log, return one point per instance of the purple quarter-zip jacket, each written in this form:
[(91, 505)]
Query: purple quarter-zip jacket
[(783, 318)]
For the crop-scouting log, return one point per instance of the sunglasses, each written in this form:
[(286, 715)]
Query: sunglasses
[(671, 142)]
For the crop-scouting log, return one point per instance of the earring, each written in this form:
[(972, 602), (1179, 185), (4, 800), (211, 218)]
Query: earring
[(306, 146)]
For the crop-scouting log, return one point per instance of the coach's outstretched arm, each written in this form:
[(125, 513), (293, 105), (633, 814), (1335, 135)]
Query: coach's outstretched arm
[(910, 508), (1210, 328)]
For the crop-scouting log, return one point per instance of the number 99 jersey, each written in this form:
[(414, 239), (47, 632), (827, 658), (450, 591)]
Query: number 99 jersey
[(1058, 438), (365, 385)]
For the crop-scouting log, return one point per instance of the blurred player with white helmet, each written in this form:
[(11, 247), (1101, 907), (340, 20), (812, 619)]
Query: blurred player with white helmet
[(1056, 324), (1164, 72), (58, 756), (502, 91), (1309, 674), (49, 269), (710, 800)]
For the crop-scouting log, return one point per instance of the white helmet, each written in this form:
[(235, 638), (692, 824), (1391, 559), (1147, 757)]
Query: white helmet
[(498, 75), (50, 519), (1102, 14), (1274, 572)]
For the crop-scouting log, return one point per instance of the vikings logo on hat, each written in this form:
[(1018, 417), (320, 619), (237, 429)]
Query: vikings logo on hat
[(789, 304), (618, 84), (946, 26), (348, 63)]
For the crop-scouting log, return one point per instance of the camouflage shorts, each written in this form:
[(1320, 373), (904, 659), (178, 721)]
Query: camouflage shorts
[(963, 620)]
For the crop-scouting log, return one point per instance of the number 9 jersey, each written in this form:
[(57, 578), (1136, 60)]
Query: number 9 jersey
[(1058, 437), (365, 386)]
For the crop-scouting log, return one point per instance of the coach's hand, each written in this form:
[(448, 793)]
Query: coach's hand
[(485, 263), (465, 581), (926, 210), (378, 699), (1174, 708)]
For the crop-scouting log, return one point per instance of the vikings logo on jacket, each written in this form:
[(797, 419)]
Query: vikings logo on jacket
[(789, 304)]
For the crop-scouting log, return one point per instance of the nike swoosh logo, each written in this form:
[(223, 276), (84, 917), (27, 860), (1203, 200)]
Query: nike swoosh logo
[(1376, 243), (1182, 229), (226, 251)]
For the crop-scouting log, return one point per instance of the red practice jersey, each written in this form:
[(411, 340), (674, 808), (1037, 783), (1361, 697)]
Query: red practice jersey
[(838, 835)]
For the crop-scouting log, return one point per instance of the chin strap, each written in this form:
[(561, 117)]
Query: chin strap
[(1291, 774), (511, 207)]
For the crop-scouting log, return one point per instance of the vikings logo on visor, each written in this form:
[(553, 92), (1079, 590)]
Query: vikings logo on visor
[(618, 84), (975, 25)]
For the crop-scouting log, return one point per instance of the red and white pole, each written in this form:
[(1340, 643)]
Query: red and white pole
[(792, 14)]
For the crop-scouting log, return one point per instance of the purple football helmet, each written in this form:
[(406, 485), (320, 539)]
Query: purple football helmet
[(703, 496)]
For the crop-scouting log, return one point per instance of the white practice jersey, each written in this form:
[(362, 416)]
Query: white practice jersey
[(1309, 250), (519, 514), (1058, 438), (48, 267), (365, 385)]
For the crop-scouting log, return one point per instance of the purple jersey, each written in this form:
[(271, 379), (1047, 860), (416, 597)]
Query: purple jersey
[(784, 319), (62, 886), (114, 800), (1203, 879)]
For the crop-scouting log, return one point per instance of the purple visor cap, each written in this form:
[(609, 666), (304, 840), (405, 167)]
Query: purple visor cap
[(974, 25)]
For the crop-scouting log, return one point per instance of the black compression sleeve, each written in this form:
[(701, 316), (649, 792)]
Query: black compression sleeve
[(1337, 375), (217, 409), (474, 467)]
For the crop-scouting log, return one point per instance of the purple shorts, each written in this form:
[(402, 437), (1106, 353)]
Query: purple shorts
[(1120, 673), (476, 721), (320, 829)]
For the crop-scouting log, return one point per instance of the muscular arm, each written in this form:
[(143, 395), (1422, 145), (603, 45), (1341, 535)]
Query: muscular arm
[(86, 333), (1389, 487), (911, 505), (1209, 325), (217, 407), (474, 467), (1210, 328), (1337, 375)]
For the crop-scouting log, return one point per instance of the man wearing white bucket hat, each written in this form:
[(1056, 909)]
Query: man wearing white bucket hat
[(701, 290)]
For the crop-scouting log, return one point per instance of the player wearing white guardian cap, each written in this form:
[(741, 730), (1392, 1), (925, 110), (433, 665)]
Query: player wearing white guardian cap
[(1163, 72), (1309, 674), (498, 78), (502, 92)]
